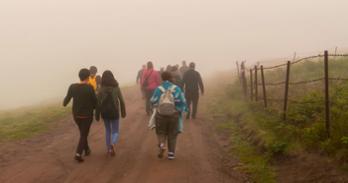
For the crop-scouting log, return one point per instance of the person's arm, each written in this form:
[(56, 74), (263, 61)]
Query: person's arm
[(155, 97), (138, 77), (68, 97), (180, 99), (97, 109), (142, 77), (184, 80), (200, 83), (122, 103)]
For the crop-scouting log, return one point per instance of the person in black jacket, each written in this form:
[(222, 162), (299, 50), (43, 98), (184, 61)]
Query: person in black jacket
[(110, 104), (192, 84), (84, 102)]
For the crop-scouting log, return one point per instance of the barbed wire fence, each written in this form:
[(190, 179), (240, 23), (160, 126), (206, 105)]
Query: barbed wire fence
[(256, 89)]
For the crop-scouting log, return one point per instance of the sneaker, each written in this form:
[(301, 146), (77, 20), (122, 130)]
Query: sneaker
[(111, 151), (78, 158), (161, 151), (171, 156)]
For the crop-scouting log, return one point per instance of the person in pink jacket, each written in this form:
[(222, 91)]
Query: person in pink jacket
[(150, 80)]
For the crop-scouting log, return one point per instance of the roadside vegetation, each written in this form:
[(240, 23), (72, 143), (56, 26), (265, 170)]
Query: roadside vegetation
[(27, 122), (259, 136)]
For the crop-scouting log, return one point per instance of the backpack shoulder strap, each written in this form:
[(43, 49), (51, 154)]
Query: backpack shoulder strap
[(172, 88), (162, 89)]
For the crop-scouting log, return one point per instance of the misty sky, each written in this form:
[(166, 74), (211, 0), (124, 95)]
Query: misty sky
[(43, 43)]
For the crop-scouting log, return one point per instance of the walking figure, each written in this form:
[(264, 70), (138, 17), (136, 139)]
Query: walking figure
[(170, 103), (192, 84), (84, 103)]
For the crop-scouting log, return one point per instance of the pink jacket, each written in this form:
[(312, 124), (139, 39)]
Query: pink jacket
[(153, 80)]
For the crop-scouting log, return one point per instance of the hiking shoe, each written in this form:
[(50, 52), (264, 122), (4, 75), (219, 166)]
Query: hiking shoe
[(78, 158), (161, 151), (171, 156), (88, 152)]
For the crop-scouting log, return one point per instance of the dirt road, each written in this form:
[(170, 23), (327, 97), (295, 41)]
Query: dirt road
[(48, 158)]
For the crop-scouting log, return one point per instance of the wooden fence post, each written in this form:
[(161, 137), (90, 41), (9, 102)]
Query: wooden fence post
[(251, 85), (244, 85), (256, 85), (244, 81), (237, 64), (263, 87), (327, 98), (285, 108)]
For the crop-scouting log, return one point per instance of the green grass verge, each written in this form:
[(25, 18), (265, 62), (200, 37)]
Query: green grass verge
[(234, 113), (253, 163), (24, 123)]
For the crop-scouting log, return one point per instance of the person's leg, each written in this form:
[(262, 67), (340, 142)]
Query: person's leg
[(88, 127), (115, 131), (79, 148), (84, 126), (107, 125), (195, 100), (172, 136), (147, 102), (161, 140), (150, 107), (161, 131), (189, 101)]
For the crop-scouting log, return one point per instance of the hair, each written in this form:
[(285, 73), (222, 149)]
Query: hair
[(108, 79), (167, 76), (174, 68), (84, 74), (168, 68), (149, 65), (192, 65), (93, 70)]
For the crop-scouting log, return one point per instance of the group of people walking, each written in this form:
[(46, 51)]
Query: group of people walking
[(186, 77), (168, 94), (98, 97)]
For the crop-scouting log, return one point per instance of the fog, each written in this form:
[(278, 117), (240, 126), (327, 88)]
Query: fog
[(43, 43)]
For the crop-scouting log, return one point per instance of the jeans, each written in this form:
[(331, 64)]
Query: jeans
[(84, 125), (111, 132)]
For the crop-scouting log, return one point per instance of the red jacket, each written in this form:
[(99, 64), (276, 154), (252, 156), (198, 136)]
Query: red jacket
[(154, 79)]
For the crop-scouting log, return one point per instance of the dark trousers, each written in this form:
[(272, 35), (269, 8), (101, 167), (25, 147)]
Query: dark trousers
[(84, 125), (167, 130), (148, 105), (192, 99)]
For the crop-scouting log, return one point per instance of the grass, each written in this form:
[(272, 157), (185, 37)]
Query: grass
[(24, 123), (259, 136), (307, 115), (233, 111)]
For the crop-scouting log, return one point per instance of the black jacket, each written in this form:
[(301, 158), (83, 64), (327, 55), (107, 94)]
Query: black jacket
[(193, 82), (84, 100)]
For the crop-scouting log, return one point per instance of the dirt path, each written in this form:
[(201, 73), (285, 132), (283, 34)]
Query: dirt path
[(48, 158)]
